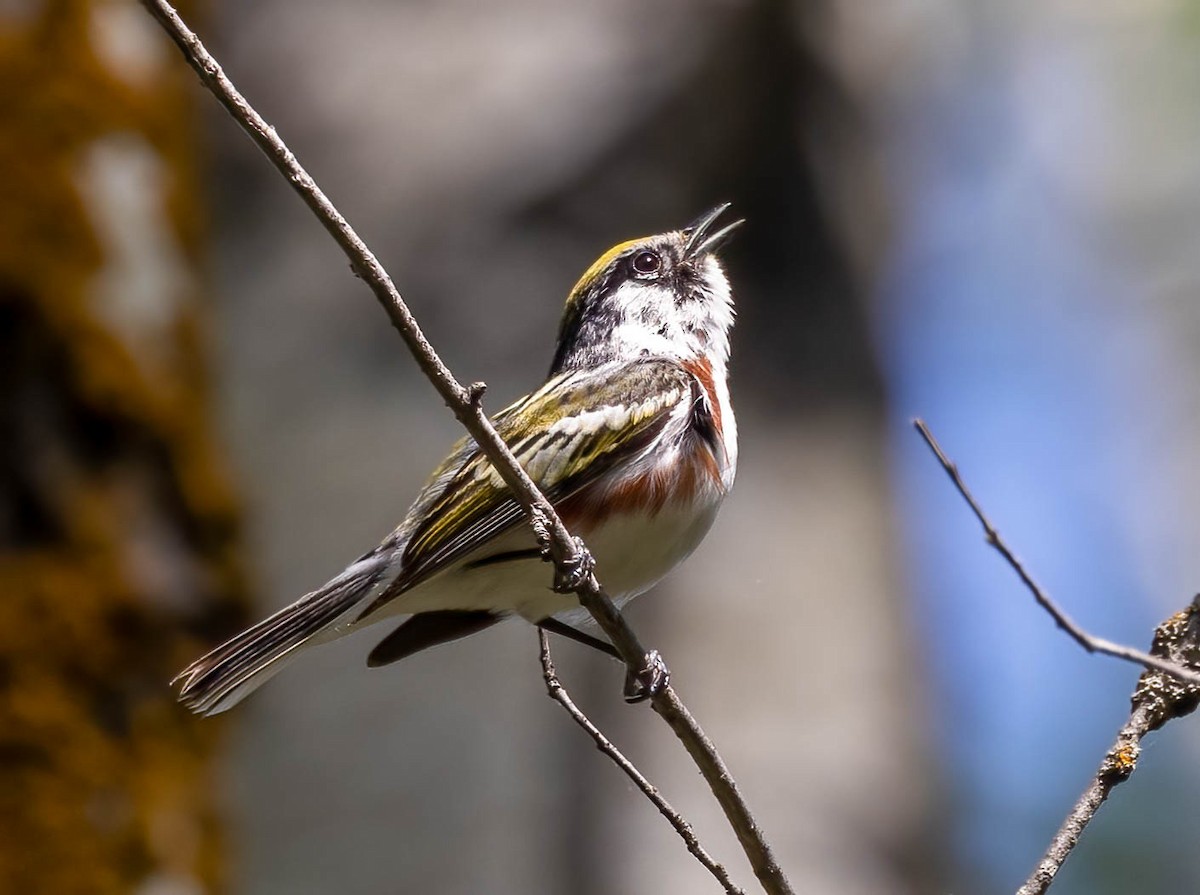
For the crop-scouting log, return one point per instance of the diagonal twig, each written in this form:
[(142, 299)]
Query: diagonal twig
[(1088, 641), (1159, 698), (556, 691), (569, 555)]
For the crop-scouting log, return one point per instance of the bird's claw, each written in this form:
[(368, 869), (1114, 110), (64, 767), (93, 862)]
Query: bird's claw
[(576, 571), (647, 681)]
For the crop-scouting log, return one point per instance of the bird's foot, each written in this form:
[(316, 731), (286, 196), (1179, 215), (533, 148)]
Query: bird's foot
[(647, 681), (575, 571)]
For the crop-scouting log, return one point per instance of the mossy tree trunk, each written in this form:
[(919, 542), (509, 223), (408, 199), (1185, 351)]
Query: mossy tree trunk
[(118, 530)]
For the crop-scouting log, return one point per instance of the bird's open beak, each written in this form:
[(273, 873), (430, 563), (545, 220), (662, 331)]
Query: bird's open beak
[(700, 238)]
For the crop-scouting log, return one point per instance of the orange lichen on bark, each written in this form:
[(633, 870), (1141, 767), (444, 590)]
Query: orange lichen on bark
[(118, 527)]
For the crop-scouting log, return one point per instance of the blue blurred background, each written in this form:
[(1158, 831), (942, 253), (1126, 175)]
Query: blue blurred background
[(1033, 309)]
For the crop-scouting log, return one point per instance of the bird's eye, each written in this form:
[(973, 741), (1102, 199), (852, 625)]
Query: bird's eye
[(646, 263)]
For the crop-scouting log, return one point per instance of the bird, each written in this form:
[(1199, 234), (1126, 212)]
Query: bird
[(632, 439)]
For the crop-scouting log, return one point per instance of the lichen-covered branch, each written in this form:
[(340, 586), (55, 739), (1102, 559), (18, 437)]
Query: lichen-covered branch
[(568, 553), (1159, 698), (1169, 688)]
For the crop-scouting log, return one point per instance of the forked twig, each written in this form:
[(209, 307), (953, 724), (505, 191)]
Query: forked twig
[(1169, 688), (1159, 698), (568, 553), (1088, 641), (556, 691)]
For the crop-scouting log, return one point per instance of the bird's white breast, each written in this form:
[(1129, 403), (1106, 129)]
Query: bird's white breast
[(633, 552), (638, 525)]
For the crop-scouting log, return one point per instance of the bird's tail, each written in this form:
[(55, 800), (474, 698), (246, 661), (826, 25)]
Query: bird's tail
[(227, 675)]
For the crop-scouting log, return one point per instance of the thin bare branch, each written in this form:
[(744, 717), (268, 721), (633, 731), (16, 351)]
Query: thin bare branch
[(1159, 698), (568, 553), (1088, 641), (556, 691)]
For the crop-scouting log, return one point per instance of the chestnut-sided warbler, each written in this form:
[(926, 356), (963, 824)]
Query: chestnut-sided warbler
[(632, 439)]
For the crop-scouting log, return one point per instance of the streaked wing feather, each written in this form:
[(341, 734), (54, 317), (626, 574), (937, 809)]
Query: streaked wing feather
[(577, 427)]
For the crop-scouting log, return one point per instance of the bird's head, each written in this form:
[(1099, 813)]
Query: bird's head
[(662, 296)]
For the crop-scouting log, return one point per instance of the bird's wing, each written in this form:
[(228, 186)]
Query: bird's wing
[(577, 427)]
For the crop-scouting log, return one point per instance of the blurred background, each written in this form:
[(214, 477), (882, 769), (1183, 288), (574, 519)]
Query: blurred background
[(981, 213)]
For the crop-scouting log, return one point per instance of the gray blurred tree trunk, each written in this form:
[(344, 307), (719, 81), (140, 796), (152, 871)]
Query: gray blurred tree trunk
[(118, 552)]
